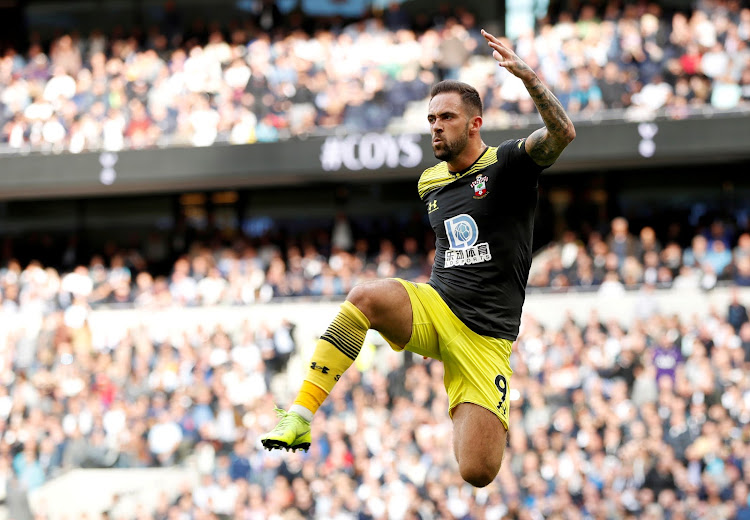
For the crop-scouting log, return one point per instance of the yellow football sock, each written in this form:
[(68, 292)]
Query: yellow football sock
[(335, 352), (311, 396)]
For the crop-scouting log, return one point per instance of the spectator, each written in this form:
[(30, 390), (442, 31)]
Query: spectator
[(745, 87), (695, 256), (742, 250), (586, 97), (164, 438), (653, 96), (742, 273), (660, 478), (737, 313), (27, 467), (612, 86), (620, 241), (240, 462), (718, 258), (741, 501), (666, 358)]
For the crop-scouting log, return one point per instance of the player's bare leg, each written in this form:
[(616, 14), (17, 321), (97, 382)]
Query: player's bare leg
[(478, 443), (388, 307)]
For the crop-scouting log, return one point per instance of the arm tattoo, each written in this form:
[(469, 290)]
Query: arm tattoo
[(546, 144)]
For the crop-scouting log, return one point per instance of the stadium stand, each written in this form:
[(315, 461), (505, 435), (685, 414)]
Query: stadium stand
[(243, 85), (614, 419), (168, 357), (272, 268)]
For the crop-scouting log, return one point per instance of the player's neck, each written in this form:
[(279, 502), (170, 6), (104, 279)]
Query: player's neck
[(469, 156)]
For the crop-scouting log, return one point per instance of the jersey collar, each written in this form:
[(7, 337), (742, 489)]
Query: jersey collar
[(458, 174)]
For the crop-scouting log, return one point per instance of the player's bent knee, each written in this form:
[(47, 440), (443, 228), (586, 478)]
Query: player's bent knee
[(378, 299), (362, 296), (479, 475)]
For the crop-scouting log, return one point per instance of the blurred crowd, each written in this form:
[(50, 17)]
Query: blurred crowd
[(239, 273), (612, 421), (609, 421), (326, 264), (80, 395), (620, 260), (245, 84), (647, 419)]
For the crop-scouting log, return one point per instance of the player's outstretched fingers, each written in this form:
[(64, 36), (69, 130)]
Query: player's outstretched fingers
[(489, 37)]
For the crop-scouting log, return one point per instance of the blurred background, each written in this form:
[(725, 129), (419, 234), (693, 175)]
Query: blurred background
[(189, 189)]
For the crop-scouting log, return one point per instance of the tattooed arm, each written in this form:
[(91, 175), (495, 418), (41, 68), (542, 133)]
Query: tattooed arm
[(545, 145)]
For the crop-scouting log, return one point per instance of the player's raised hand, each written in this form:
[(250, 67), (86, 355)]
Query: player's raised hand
[(508, 59)]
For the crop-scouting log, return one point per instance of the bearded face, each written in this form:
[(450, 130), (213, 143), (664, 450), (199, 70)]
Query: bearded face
[(447, 148), (449, 126)]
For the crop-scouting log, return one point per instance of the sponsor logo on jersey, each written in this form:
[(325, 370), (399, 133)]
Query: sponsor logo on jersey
[(480, 186), (432, 206), (463, 233)]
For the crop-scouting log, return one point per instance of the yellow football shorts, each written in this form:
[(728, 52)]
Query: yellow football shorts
[(476, 368)]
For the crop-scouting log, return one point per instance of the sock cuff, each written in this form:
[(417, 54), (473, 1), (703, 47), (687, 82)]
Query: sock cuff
[(351, 310), (306, 380), (302, 411)]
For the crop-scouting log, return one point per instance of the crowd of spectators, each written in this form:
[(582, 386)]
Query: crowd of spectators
[(620, 260), (648, 419), (243, 83), (663, 424), (327, 264), (80, 395), (242, 272)]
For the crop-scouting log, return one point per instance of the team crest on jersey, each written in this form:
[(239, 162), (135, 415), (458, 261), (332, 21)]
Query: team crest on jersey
[(480, 186)]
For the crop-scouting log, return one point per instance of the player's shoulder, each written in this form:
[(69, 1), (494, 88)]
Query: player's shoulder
[(439, 170), (512, 154), (513, 151), (511, 145), (488, 158), (432, 178)]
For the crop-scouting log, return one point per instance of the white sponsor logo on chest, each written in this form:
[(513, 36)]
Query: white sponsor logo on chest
[(463, 233)]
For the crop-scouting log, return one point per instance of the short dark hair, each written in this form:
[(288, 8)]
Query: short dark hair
[(469, 95)]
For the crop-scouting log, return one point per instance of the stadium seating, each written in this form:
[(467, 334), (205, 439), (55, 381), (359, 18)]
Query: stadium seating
[(93, 92), (632, 402)]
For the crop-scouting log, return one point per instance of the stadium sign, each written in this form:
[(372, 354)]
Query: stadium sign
[(609, 146), (370, 151)]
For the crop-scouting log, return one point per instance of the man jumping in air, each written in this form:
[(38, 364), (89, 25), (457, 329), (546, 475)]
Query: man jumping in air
[(481, 202)]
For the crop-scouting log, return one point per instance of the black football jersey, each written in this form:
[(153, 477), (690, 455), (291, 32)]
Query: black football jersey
[(483, 218)]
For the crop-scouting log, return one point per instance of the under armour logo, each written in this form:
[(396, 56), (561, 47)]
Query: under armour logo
[(323, 369), (432, 206)]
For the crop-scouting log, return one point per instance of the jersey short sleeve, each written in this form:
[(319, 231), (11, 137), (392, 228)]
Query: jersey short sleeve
[(513, 157)]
